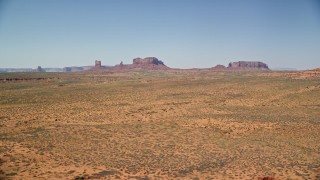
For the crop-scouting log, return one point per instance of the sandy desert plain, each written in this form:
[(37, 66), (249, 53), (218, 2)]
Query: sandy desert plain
[(160, 125)]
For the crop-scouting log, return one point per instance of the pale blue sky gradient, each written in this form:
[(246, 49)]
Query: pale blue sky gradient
[(182, 33)]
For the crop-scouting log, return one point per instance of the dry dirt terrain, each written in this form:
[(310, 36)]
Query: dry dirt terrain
[(159, 125)]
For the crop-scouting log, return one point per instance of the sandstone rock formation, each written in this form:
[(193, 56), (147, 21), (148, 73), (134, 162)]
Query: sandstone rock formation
[(254, 65), (39, 69), (152, 63), (97, 63), (219, 66), (98, 66), (148, 63)]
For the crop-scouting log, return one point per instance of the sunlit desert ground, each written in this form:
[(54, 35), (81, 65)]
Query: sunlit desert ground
[(159, 125)]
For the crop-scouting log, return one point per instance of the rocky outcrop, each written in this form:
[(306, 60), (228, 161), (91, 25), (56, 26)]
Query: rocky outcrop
[(153, 63), (97, 63), (39, 69), (98, 66), (250, 65), (219, 67), (147, 61)]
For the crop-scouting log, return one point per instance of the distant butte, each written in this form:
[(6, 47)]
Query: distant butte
[(98, 67), (248, 65), (148, 63)]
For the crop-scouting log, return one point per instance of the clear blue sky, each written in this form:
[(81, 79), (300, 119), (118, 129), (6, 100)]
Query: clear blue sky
[(182, 33)]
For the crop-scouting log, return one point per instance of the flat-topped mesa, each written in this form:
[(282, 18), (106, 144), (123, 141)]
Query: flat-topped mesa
[(147, 61), (250, 65)]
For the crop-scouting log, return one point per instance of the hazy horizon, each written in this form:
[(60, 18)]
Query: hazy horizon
[(184, 34)]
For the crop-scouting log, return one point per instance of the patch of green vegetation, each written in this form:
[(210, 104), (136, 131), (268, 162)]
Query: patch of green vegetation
[(11, 174), (79, 177), (105, 173), (71, 171)]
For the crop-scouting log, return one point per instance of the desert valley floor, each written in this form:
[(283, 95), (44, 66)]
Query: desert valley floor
[(160, 125)]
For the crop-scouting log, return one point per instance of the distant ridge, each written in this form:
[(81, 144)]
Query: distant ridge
[(148, 63)]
